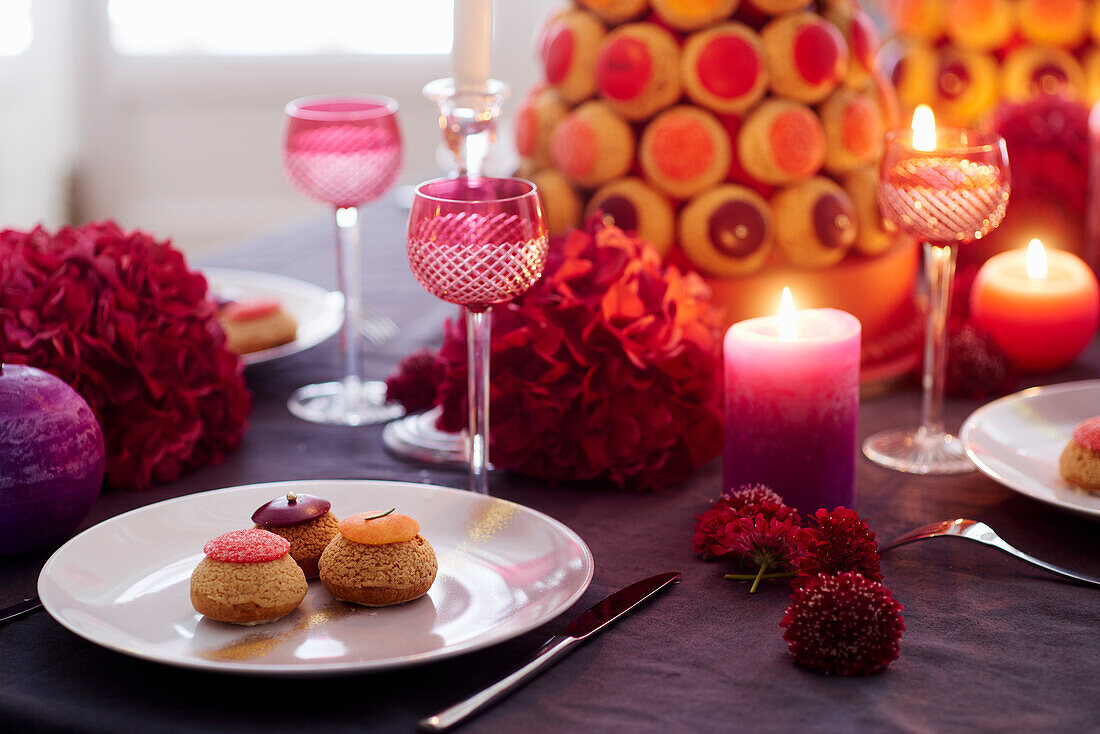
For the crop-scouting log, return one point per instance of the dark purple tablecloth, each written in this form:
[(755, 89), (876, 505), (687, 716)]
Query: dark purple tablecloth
[(991, 645)]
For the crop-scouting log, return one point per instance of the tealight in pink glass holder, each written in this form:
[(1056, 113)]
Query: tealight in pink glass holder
[(477, 242), (468, 121), (344, 151), (947, 197)]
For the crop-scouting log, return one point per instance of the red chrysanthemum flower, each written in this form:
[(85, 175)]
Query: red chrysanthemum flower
[(843, 623), (415, 382), (749, 500), (766, 543), (121, 318), (608, 368), (836, 542)]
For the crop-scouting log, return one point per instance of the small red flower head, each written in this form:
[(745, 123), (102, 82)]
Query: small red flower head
[(836, 542), (760, 541), (843, 623), (747, 501), (415, 382), (759, 499)]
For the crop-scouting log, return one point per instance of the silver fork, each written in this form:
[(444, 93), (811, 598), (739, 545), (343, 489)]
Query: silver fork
[(376, 327), (979, 532)]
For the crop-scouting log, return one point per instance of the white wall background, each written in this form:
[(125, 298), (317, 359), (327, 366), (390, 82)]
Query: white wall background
[(187, 146)]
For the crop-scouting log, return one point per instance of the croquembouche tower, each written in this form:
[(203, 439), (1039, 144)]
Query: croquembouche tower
[(740, 138)]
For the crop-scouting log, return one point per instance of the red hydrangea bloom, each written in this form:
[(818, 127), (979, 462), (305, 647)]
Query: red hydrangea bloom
[(843, 623), (415, 381), (836, 542), (767, 543), (747, 501), (121, 318), (608, 368)]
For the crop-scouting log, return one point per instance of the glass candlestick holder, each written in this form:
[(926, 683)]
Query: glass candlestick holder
[(468, 121)]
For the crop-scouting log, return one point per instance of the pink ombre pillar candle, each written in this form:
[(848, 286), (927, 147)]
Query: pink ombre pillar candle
[(791, 407)]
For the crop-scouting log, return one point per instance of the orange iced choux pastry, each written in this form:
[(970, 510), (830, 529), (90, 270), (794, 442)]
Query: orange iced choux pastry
[(568, 48), (886, 97), (592, 145), (633, 206), (1062, 23), (775, 7), (1031, 70), (911, 66), (727, 231), (920, 19), (560, 202), (614, 12), (638, 70), (724, 69), (966, 85), (863, 40), (1091, 65), (979, 25), (683, 151), (807, 56), (853, 130), (815, 223), (781, 142), (862, 188), (690, 15), (1094, 22), (538, 115)]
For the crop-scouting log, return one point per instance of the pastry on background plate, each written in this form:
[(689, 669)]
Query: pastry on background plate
[(378, 559), (255, 324), (247, 578), (305, 522), (1080, 461)]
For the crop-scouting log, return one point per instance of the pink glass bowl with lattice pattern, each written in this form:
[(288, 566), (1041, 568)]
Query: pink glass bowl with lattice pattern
[(477, 241)]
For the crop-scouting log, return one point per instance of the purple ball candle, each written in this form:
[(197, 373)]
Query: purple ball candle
[(792, 400), (51, 459)]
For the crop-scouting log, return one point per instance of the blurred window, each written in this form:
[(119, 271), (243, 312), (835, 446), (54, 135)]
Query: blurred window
[(16, 29), (277, 27)]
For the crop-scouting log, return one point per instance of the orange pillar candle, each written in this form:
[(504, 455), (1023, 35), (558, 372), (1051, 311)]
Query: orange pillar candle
[(1041, 307)]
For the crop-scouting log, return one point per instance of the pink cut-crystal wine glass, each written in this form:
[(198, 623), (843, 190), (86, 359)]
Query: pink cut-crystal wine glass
[(344, 151), (947, 194), (477, 242)]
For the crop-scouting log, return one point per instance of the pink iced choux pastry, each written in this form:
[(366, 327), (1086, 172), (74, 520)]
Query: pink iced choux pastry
[(690, 15), (918, 19), (633, 206), (815, 223), (727, 231), (1032, 70), (807, 56), (1079, 463), (539, 114), (560, 202), (683, 151), (853, 130), (638, 70), (966, 85), (614, 12), (862, 37), (568, 47), (979, 25), (592, 145), (781, 142), (1062, 23), (862, 188), (724, 69)]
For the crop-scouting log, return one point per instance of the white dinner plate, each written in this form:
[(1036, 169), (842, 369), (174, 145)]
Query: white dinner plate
[(1017, 440), (319, 312), (504, 569)]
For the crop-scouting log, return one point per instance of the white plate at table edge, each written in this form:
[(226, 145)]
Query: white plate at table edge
[(1010, 466), (319, 312), (54, 600)]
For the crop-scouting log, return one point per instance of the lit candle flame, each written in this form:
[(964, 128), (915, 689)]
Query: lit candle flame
[(1036, 260), (788, 330), (924, 129)]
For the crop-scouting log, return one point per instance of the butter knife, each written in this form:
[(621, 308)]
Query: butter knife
[(587, 624), (23, 608)]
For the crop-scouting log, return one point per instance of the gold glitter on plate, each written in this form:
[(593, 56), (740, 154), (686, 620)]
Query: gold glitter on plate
[(259, 644), (492, 522)]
